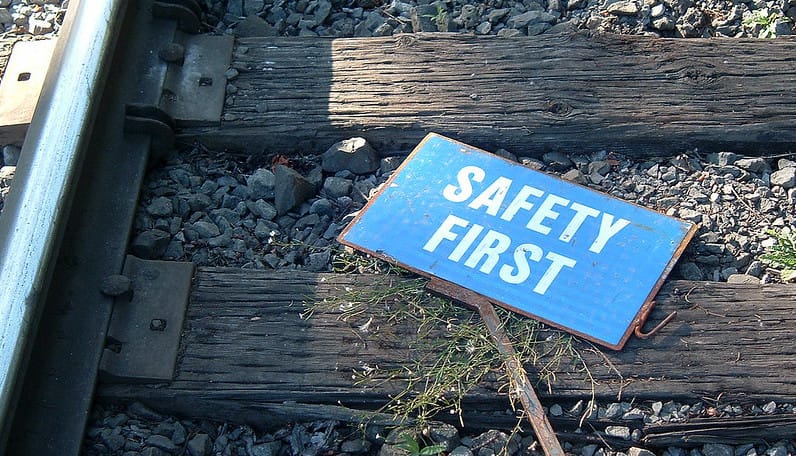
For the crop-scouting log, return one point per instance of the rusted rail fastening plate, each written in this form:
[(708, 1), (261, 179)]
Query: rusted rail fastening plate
[(524, 390)]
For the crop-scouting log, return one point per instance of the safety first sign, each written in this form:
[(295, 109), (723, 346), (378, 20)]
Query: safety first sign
[(575, 258)]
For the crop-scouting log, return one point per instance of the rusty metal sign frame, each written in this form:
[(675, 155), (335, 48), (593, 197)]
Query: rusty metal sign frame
[(634, 324)]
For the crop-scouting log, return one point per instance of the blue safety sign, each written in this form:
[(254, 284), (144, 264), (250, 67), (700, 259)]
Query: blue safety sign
[(575, 258)]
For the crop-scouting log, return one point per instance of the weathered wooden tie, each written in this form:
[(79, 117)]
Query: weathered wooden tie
[(636, 95), (246, 355)]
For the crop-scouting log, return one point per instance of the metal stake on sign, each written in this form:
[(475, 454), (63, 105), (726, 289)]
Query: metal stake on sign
[(530, 401)]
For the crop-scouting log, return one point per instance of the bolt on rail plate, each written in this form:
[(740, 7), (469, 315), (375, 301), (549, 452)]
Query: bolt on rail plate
[(577, 259)]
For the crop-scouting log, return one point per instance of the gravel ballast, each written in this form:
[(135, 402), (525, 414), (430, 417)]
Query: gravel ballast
[(223, 210)]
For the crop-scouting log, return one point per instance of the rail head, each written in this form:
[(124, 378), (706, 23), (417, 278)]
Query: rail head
[(37, 207)]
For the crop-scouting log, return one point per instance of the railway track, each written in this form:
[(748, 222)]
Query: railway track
[(112, 105)]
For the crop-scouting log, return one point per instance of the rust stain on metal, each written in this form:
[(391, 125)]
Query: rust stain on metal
[(530, 401)]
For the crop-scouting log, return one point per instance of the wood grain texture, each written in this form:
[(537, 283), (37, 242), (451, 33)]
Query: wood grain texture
[(636, 95), (247, 355)]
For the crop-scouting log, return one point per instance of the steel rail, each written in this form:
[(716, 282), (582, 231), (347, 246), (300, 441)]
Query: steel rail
[(35, 213)]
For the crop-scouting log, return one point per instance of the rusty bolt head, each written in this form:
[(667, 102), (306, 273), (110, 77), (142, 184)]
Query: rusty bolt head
[(173, 53), (115, 285), (157, 324)]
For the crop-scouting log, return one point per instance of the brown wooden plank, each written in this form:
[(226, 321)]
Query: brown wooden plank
[(246, 353), (637, 95)]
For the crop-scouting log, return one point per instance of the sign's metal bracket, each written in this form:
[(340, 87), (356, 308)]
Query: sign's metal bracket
[(144, 333), (530, 401), (639, 329)]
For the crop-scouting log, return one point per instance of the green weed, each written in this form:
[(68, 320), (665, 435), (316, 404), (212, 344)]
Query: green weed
[(765, 21), (455, 353), (782, 255)]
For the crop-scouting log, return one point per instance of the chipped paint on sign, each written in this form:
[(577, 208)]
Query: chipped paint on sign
[(575, 258)]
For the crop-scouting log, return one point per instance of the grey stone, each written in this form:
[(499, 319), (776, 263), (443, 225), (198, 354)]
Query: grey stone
[(633, 414), (528, 18), (623, 8), (206, 230), (723, 158), (353, 154), (635, 451), (444, 434), (614, 410), (5, 17), (160, 207), (140, 410), (113, 439), (254, 26), (753, 165), (664, 23), (494, 440), (497, 15), (718, 449), (508, 33), (162, 442), (743, 278), (11, 155), (658, 10), (785, 177), (150, 244), (355, 446), (115, 285), (538, 28), (231, 74), (262, 209), (469, 17), (622, 432), (261, 184), (252, 7), (266, 449), (292, 189), (483, 29), (557, 160), (588, 450), (556, 410), (39, 26), (336, 187), (222, 240), (690, 215), (322, 206), (770, 407), (783, 27), (429, 18), (152, 451), (390, 164), (460, 450), (322, 12), (783, 163)]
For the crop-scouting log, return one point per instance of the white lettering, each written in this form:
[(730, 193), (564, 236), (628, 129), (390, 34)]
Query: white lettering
[(491, 246), (521, 255), (607, 230), (466, 242), (521, 202), (493, 196), (465, 189), (558, 263), (581, 212), (546, 211), (444, 232)]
